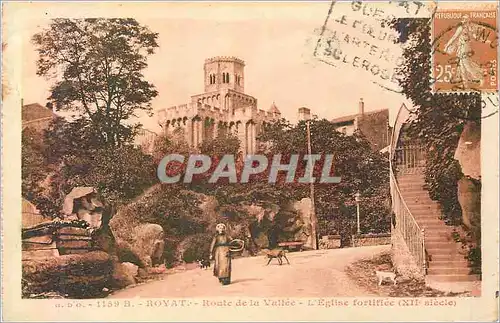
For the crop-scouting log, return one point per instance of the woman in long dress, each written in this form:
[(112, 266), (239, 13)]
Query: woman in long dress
[(219, 251), (469, 71)]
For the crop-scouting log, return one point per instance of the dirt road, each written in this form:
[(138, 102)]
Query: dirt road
[(311, 274)]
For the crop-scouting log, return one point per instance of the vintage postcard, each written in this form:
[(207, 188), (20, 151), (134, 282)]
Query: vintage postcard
[(292, 161)]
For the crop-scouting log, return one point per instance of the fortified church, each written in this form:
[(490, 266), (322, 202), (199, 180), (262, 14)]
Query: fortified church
[(223, 107)]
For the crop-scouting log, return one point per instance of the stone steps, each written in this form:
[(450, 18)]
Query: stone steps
[(440, 245), (428, 220), (418, 207), (446, 257), (437, 238), (411, 183), (435, 226), (452, 277), (446, 264), (423, 215), (444, 231), (421, 201), (459, 270), (412, 189)]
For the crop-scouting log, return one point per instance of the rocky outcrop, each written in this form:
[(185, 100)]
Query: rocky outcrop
[(78, 275), (137, 241), (145, 248), (468, 154), (303, 208), (469, 197), (149, 243), (124, 274)]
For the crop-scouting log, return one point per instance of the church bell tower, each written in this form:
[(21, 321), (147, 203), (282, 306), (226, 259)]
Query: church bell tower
[(223, 72)]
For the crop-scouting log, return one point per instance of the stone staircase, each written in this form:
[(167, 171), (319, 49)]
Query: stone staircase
[(446, 261)]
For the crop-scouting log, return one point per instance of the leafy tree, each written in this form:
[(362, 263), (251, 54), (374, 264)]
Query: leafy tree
[(32, 162), (35, 172), (360, 168), (98, 64), (68, 154), (118, 174), (170, 143)]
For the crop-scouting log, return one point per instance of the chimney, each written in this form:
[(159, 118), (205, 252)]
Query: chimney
[(361, 107), (304, 113)]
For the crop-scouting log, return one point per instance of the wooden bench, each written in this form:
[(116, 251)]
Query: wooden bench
[(296, 245)]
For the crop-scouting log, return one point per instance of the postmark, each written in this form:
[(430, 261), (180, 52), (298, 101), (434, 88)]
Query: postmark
[(357, 35), (465, 51)]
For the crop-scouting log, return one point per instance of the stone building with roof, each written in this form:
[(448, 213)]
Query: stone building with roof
[(222, 107), (374, 125), (36, 116)]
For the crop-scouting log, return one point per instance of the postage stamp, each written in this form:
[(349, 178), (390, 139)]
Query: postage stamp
[(465, 51), (179, 161)]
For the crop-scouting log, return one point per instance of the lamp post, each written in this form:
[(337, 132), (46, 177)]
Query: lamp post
[(358, 199)]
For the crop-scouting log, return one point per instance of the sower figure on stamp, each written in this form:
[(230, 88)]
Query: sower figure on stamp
[(220, 252), (468, 70)]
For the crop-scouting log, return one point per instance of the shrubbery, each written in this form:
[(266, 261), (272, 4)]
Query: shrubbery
[(197, 247), (438, 123)]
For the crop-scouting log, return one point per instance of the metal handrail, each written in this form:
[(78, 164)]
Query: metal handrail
[(413, 235)]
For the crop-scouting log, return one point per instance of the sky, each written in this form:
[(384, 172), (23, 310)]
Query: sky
[(276, 41)]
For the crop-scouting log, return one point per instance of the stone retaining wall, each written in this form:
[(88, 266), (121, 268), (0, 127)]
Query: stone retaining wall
[(329, 242), (401, 258), (333, 241), (371, 239)]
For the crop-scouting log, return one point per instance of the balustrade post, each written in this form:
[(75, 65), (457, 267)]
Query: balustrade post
[(424, 260)]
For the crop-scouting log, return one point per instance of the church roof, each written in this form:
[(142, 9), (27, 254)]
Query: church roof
[(274, 109)]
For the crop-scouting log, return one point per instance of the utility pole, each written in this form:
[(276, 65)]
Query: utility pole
[(305, 114), (314, 220)]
